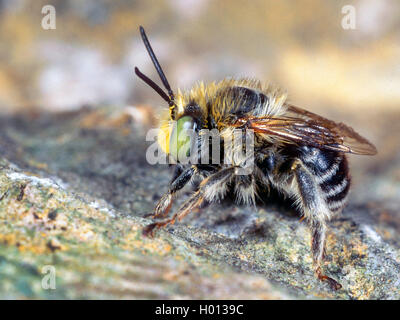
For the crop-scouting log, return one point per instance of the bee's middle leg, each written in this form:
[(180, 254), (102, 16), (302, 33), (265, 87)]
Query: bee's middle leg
[(210, 188)]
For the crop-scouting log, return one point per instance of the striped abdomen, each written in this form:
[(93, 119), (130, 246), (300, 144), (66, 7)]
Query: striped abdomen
[(330, 170)]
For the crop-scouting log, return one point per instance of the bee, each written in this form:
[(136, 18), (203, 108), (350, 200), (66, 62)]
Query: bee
[(296, 152)]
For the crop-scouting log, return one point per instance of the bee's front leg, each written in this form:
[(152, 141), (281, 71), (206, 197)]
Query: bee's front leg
[(164, 204), (190, 204), (211, 188)]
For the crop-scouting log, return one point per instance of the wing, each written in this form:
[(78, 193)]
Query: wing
[(299, 125)]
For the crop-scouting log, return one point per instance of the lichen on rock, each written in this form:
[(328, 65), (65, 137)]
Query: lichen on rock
[(73, 195)]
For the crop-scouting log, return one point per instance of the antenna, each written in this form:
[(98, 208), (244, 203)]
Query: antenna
[(154, 85), (158, 68)]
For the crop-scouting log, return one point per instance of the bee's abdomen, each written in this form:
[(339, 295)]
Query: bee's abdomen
[(331, 173)]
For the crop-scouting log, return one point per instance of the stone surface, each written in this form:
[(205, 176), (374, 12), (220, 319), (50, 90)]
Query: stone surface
[(74, 188)]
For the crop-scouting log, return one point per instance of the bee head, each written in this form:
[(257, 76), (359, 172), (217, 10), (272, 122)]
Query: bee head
[(175, 136)]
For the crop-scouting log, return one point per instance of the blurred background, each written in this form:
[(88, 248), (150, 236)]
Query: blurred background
[(300, 45), (351, 75)]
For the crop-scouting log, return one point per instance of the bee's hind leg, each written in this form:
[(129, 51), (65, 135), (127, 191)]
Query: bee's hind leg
[(210, 188), (317, 215), (318, 229)]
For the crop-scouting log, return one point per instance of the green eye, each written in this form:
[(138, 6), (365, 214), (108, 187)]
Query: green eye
[(180, 142)]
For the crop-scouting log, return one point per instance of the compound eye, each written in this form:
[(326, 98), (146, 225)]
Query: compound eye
[(180, 141)]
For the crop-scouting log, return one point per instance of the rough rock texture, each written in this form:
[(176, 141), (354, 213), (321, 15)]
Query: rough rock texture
[(74, 189)]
